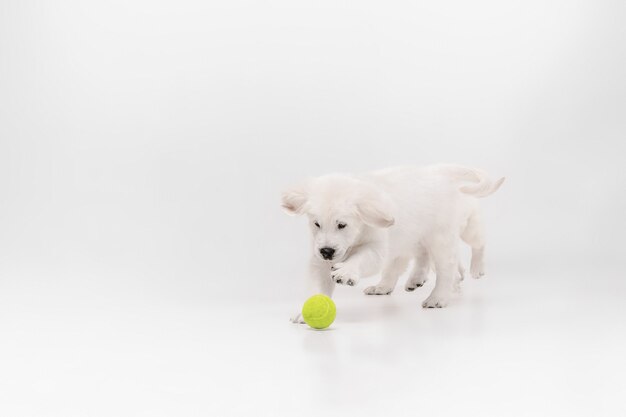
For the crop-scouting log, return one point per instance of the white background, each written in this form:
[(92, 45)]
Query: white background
[(147, 269)]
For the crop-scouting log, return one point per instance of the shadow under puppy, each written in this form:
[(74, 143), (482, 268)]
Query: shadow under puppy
[(362, 224)]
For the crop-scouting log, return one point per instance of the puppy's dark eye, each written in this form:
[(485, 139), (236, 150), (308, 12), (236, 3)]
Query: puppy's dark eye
[(341, 225), (317, 225)]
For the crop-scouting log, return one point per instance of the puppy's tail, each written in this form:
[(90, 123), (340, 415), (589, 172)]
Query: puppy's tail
[(481, 185)]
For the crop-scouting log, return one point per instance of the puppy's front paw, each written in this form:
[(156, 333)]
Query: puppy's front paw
[(297, 319), (342, 273), (378, 290), (436, 300), (415, 282)]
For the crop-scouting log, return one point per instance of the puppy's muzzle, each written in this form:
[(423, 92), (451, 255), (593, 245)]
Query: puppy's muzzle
[(327, 253)]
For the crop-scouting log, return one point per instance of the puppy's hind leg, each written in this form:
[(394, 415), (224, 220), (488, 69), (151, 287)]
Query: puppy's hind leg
[(419, 275), (474, 235), (443, 250), (391, 272)]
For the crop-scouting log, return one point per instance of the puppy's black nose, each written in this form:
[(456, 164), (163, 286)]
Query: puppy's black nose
[(327, 253)]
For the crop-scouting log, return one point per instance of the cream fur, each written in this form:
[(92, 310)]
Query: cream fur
[(389, 218)]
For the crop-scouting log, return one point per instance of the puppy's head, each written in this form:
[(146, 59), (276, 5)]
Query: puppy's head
[(342, 212)]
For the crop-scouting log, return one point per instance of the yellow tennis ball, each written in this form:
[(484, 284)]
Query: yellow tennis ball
[(319, 311)]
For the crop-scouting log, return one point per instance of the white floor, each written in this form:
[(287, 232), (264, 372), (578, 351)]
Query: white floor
[(517, 345)]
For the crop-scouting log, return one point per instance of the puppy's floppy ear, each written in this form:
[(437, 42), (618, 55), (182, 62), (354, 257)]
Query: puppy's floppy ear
[(295, 198), (375, 208)]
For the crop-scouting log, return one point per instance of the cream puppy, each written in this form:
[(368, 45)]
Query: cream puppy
[(379, 221)]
